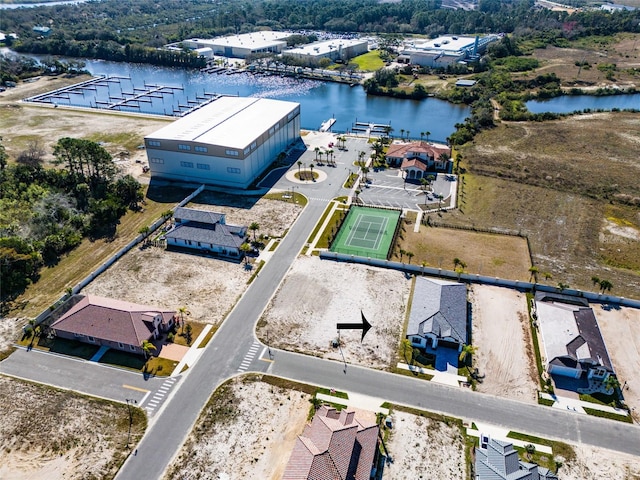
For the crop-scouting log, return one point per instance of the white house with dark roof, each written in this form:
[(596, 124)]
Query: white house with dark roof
[(573, 344), (335, 446), (438, 315), (205, 231), (117, 324), (498, 460)]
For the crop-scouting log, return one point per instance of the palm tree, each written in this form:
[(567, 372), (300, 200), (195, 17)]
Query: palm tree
[(406, 347), (408, 133), (255, 226), (147, 346), (402, 133), (456, 262), (427, 135), (467, 352), (421, 135), (595, 280), (245, 248), (410, 255), (611, 383), (533, 270), (317, 150), (562, 286), (402, 252), (605, 285), (311, 167), (320, 154), (182, 311), (299, 165)]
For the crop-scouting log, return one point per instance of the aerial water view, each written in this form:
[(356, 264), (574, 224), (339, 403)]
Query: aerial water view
[(321, 239)]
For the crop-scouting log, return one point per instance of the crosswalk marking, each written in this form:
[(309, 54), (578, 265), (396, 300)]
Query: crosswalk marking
[(159, 395), (248, 358)]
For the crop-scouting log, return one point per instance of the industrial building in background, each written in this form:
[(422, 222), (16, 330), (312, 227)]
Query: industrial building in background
[(228, 142), (444, 50)]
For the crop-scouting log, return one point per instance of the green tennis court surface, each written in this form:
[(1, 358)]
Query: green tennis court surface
[(367, 232)]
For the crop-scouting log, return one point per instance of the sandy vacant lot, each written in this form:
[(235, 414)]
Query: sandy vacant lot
[(230, 441), (247, 430), (424, 448), (53, 434), (317, 294), (621, 332), (502, 335), (208, 287), (596, 464)]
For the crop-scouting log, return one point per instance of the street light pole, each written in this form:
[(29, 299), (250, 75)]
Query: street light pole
[(129, 403)]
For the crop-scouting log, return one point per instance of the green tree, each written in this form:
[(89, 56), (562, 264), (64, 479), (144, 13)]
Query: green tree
[(466, 353), (595, 280), (299, 165), (406, 347), (533, 270), (605, 285), (245, 248), (182, 311), (611, 383), (3, 156), (147, 347), (410, 255), (254, 227)]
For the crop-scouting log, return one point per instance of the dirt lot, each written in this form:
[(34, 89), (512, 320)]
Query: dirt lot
[(318, 293), (502, 335), (596, 464), (547, 180), (419, 445), (230, 441), (45, 434), (208, 287), (119, 132), (621, 50), (502, 256), (621, 332), (247, 430)]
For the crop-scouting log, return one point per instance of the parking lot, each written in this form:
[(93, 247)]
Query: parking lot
[(388, 188)]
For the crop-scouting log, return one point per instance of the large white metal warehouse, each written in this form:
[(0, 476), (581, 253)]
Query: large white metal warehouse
[(228, 142)]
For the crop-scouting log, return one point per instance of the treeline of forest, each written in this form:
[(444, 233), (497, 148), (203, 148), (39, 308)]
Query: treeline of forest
[(132, 30), (45, 212)]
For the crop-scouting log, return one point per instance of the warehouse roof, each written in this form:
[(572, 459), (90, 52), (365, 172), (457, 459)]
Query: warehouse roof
[(233, 122), (324, 47)]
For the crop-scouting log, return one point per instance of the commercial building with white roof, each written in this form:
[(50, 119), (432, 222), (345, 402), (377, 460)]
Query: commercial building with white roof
[(228, 142), (240, 46), (334, 49), (445, 50)]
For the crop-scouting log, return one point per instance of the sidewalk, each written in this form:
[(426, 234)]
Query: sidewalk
[(312, 244), (444, 378), (499, 433), (194, 352), (357, 400), (578, 406)]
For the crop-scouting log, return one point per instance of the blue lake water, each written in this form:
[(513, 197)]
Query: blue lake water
[(319, 100), (572, 103)]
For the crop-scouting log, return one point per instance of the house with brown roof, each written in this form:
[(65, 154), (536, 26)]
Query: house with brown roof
[(116, 324), (418, 159), (335, 446), (205, 231)]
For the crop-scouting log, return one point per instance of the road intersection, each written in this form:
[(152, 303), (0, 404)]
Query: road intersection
[(235, 350)]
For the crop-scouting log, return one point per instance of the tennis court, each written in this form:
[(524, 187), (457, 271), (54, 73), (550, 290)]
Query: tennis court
[(367, 232)]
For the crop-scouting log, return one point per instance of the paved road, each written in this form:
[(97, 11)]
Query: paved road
[(234, 349), (524, 417), (87, 377)]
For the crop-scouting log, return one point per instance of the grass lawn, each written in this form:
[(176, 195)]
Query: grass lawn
[(494, 255), (368, 62), (61, 345), (90, 254), (181, 333), (548, 180), (161, 367)]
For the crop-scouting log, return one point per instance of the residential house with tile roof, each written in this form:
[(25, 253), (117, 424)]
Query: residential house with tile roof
[(438, 317), (117, 324), (498, 460), (418, 159), (573, 344), (205, 231), (335, 446)]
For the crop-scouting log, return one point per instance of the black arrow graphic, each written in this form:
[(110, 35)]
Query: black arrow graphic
[(364, 326)]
